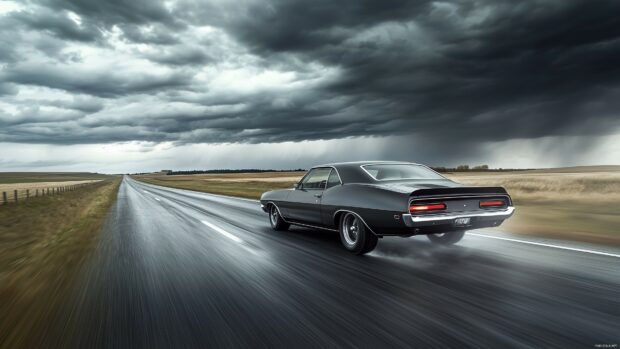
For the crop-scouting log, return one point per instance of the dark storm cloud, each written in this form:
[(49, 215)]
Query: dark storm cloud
[(180, 56), (155, 34), (58, 24), (116, 11), (454, 70), (96, 82), (524, 70)]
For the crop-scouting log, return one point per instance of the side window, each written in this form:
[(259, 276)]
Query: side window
[(333, 179), (316, 178)]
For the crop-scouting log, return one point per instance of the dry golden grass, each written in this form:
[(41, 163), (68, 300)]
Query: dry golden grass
[(567, 203), (27, 177), (597, 186), (582, 206), (43, 242), (248, 188), (35, 189), (41, 185), (292, 176)]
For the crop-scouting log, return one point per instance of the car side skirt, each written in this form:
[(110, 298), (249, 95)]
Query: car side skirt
[(264, 208)]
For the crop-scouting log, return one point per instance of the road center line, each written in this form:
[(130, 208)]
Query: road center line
[(548, 245), (222, 231)]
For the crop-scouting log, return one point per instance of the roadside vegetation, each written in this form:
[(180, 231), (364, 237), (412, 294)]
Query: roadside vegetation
[(32, 177), (579, 203), (43, 243), (246, 185)]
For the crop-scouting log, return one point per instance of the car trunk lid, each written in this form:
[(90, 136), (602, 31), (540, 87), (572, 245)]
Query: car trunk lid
[(458, 200)]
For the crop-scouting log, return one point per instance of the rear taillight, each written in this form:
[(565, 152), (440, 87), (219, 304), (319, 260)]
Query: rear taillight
[(492, 203), (416, 208)]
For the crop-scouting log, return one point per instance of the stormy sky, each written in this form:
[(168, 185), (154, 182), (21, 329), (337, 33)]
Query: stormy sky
[(140, 85)]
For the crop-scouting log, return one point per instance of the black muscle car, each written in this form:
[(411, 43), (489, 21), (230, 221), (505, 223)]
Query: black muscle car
[(364, 201)]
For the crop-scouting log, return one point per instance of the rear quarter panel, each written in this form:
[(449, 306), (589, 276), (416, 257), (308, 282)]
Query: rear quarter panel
[(378, 207)]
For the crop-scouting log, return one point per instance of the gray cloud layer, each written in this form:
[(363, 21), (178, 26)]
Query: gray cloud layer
[(281, 70)]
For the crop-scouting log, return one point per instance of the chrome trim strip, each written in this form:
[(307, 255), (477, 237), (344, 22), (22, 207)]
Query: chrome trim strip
[(434, 218), (310, 226), (466, 196), (313, 168), (358, 216), (337, 174), (277, 208)]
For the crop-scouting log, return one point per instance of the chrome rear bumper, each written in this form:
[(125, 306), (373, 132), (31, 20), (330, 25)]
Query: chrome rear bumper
[(437, 219)]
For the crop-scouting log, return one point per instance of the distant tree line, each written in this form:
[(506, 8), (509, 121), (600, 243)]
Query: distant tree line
[(465, 168), (245, 170), (442, 169)]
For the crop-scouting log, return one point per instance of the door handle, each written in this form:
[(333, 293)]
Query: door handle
[(318, 195)]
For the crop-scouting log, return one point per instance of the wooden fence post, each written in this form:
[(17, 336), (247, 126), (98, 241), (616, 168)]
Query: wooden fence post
[(15, 194), (36, 193), (4, 200), (27, 194)]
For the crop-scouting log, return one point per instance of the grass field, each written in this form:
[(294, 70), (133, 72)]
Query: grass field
[(43, 243), (579, 203), (247, 185), (30, 177)]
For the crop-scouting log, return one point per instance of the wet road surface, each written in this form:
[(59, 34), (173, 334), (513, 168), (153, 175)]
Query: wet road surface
[(182, 269)]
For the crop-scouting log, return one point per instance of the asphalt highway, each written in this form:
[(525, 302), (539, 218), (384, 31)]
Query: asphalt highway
[(182, 269)]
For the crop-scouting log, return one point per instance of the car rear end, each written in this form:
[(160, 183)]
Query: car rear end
[(439, 210)]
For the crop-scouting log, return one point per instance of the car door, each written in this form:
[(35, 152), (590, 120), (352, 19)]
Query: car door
[(304, 203)]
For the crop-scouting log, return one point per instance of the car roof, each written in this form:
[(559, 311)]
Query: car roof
[(351, 172), (361, 163)]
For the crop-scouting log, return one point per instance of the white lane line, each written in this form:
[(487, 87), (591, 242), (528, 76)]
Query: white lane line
[(232, 197), (222, 231), (157, 199), (145, 191), (548, 245)]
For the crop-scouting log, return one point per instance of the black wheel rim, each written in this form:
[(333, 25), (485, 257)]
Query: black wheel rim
[(273, 216), (351, 229)]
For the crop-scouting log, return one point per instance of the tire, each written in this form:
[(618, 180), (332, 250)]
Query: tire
[(277, 223), (354, 235), (448, 238)]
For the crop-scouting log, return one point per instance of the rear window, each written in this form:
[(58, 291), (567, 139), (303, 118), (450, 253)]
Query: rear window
[(384, 172)]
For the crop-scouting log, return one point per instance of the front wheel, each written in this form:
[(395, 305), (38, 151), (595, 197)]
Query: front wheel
[(277, 223), (355, 236), (448, 238)]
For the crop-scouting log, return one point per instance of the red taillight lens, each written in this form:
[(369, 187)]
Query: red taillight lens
[(492, 203), (427, 207)]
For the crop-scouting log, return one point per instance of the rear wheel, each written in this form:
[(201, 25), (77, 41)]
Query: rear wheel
[(448, 238), (277, 223), (354, 235)]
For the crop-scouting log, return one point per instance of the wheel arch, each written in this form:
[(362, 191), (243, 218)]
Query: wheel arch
[(268, 205), (338, 216)]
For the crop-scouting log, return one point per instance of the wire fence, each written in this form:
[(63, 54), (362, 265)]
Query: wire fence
[(20, 195)]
